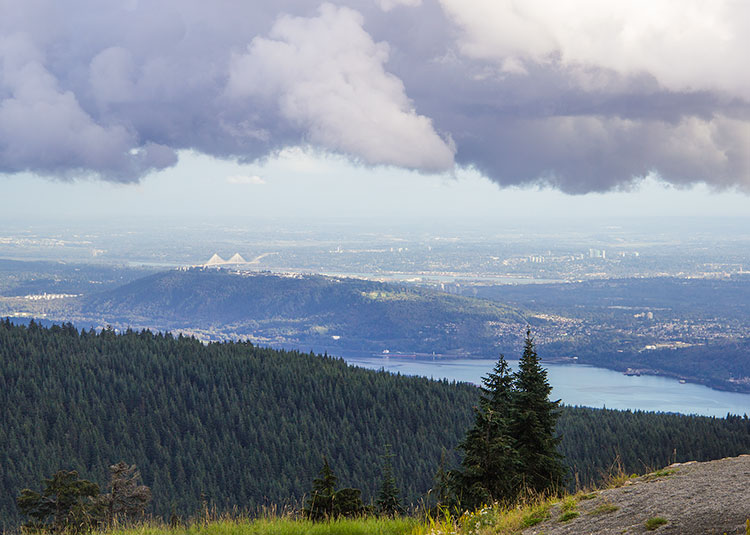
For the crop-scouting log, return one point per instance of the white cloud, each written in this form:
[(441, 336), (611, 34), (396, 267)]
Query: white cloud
[(387, 5), (326, 75), (686, 45), (252, 180)]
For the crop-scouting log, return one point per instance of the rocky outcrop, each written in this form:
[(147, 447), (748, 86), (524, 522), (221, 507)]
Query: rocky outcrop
[(693, 498)]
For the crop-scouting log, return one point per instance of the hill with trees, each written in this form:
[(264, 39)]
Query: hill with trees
[(234, 425), (310, 311)]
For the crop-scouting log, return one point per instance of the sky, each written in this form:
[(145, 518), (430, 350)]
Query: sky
[(298, 187), (444, 109)]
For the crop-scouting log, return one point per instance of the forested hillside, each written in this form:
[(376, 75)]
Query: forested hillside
[(593, 439), (311, 311), (244, 426), (18, 278)]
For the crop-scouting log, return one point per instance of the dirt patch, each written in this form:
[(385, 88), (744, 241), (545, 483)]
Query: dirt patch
[(693, 498)]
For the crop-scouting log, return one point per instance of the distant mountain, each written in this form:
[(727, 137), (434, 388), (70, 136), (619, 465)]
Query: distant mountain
[(338, 315)]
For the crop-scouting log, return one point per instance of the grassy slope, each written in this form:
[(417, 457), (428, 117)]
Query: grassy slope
[(281, 526), (548, 513)]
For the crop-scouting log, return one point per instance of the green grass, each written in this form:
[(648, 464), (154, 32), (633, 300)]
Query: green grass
[(537, 514), (659, 473), (654, 522), (490, 520), (281, 526), (569, 515), (568, 508), (616, 475), (497, 519), (603, 509)]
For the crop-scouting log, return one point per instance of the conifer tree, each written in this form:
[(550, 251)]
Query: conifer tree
[(441, 489), (532, 424), (67, 503), (388, 502), (327, 503), (348, 502), (320, 504), (126, 499), (489, 470)]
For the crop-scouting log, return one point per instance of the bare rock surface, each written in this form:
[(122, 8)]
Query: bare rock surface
[(694, 499)]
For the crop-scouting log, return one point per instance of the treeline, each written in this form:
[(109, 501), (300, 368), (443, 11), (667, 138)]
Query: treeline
[(241, 426), (592, 439), (68, 504)]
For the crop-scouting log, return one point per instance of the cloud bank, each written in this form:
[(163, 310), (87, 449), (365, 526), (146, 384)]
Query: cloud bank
[(325, 76), (581, 95)]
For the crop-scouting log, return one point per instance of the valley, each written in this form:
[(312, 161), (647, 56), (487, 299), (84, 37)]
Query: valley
[(690, 329)]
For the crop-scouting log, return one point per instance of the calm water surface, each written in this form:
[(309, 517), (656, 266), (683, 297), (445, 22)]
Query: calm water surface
[(578, 384)]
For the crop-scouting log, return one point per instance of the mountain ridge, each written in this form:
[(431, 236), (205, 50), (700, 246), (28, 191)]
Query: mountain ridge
[(311, 311)]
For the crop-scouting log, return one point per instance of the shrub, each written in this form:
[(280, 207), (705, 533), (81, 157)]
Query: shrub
[(654, 522)]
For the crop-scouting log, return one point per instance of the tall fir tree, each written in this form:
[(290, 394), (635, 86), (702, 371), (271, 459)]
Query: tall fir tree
[(388, 502), (320, 503), (441, 489), (532, 425), (489, 469)]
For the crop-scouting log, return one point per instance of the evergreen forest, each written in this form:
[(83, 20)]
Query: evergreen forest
[(233, 425), (331, 314)]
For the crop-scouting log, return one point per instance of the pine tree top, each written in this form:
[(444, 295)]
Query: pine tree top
[(497, 386), (531, 377), (325, 483)]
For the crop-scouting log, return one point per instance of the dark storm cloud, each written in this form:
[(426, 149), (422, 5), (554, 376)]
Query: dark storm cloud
[(582, 97)]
